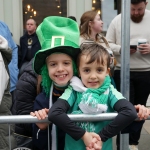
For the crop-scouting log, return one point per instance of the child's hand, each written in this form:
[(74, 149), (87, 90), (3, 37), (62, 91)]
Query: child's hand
[(89, 139), (40, 114), (97, 145)]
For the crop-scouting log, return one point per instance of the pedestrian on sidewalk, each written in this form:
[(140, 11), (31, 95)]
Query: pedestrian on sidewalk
[(139, 57)]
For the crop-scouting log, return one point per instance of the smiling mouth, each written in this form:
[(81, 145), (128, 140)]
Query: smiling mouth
[(61, 76), (93, 82)]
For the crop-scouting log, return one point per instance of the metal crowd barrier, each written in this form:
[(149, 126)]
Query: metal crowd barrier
[(14, 119)]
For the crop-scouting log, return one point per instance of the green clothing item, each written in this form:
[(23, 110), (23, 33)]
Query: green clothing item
[(73, 98)]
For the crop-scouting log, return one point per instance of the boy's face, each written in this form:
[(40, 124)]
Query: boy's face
[(92, 75), (60, 68)]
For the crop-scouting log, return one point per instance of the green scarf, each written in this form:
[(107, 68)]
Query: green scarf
[(94, 99), (97, 96)]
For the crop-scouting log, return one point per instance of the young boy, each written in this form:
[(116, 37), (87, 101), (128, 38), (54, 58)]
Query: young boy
[(93, 95), (59, 39)]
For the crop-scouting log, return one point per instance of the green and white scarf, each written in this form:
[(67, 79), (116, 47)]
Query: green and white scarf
[(92, 100)]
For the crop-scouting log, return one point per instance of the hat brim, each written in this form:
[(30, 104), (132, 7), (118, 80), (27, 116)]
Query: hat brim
[(41, 55)]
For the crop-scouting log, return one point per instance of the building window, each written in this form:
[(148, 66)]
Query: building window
[(39, 9), (96, 5)]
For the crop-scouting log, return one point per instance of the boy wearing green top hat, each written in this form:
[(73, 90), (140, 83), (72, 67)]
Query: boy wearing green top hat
[(59, 39), (94, 95)]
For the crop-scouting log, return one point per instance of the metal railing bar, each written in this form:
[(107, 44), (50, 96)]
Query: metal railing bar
[(75, 117)]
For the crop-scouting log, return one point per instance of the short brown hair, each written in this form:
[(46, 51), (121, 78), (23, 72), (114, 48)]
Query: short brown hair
[(96, 52)]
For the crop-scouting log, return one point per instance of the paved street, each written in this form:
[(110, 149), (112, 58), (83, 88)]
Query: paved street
[(145, 137), (144, 143)]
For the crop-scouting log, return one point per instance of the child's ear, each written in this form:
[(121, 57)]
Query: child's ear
[(108, 71)]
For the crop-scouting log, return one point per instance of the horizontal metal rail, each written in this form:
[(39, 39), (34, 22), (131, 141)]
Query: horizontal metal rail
[(14, 119), (75, 117)]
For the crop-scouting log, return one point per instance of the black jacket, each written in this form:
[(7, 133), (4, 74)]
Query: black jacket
[(24, 47), (25, 95)]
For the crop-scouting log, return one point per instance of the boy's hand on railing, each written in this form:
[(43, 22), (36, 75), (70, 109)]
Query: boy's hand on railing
[(142, 111), (40, 114)]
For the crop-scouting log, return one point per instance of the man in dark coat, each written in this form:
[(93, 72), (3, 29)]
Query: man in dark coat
[(29, 44)]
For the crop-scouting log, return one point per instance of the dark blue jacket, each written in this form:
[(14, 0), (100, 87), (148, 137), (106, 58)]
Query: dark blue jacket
[(24, 47), (42, 142)]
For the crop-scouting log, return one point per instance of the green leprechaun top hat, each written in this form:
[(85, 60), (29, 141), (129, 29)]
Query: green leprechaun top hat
[(56, 34)]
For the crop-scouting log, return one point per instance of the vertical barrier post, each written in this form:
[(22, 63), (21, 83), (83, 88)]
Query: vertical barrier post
[(48, 139), (125, 61), (9, 139)]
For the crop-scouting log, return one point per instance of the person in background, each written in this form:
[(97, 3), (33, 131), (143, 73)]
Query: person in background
[(29, 44), (72, 17), (139, 57), (91, 27), (5, 99), (13, 65)]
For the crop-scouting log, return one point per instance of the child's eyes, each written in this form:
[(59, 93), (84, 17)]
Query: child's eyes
[(67, 63), (86, 70), (52, 64), (55, 64), (99, 70)]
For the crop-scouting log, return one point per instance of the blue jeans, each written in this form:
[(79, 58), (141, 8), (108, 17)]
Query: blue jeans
[(139, 92)]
